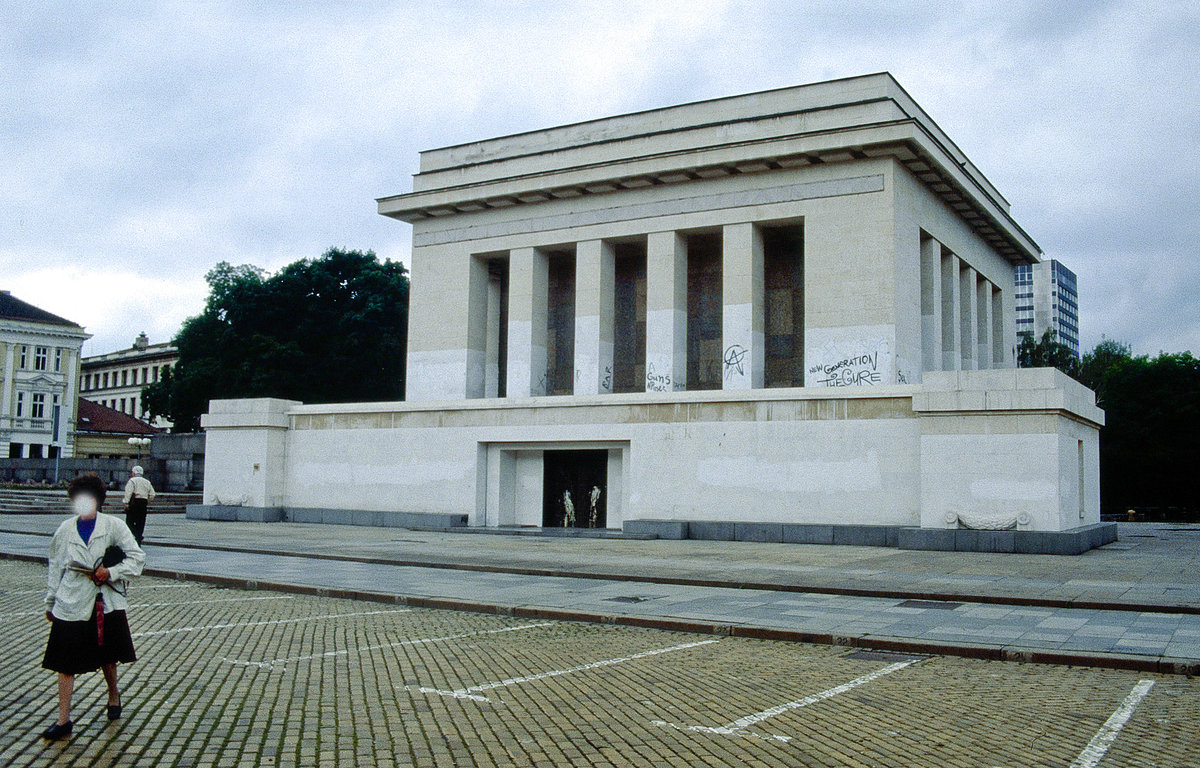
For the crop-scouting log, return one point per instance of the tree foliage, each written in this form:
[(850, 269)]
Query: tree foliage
[(1047, 352), (326, 330), (1150, 443)]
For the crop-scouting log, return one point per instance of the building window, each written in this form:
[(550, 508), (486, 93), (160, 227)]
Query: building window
[(106, 379), (37, 406), (122, 408), (35, 450), (125, 377), (20, 404), (24, 357), (41, 356), (58, 359)]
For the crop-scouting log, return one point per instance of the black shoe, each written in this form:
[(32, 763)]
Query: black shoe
[(57, 731), (114, 711)]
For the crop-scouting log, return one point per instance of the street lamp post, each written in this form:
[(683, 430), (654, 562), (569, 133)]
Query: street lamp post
[(139, 443)]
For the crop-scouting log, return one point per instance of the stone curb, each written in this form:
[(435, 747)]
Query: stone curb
[(1159, 664), (682, 581)]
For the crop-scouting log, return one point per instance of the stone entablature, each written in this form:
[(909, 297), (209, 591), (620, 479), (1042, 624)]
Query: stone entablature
[(833, 122)]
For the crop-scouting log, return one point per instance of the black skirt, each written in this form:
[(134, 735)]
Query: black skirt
[(74, 648)]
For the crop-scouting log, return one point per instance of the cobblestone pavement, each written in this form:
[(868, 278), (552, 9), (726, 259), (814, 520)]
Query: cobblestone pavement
[(1154, 640), (232, 678), (1153, 564)]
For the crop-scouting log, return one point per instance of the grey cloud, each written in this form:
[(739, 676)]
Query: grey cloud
[(159, 139)]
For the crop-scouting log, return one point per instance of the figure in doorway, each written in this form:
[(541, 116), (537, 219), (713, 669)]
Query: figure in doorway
[(595, 499), (568, 510)]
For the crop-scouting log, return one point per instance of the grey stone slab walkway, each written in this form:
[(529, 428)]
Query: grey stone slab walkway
[(1163, 641), (1152, 567)]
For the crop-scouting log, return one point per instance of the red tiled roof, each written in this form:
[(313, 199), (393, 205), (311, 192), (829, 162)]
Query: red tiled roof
[(94, 417)]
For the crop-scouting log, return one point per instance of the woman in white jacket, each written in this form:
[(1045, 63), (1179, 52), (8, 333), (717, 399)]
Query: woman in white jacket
[(85, 598)]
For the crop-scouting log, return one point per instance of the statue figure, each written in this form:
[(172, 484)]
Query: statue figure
[(569, 510), (595, 497)]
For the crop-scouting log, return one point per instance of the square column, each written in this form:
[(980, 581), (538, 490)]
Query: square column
[(477, 327), (983, 306), (666, 312), (7, 394), (951, 326), (1000, 357), (931, 304), (743, 316), (594, 304), (969, 316), (528, 292)]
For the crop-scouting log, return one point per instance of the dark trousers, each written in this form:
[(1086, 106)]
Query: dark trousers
[(135, 517)]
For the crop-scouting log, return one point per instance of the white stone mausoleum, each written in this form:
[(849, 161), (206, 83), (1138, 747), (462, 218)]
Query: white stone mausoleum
[(783, 316)]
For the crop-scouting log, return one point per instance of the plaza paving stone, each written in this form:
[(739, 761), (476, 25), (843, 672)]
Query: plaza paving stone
[(232, 677), (1143, 640), (1153, 564)]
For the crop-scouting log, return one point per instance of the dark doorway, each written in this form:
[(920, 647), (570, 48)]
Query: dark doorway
[(570, 481), (629, 318), (783, 279), (705, 365), (560, 325)]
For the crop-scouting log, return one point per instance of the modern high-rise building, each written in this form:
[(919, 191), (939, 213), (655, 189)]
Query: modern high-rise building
[(1047, 297)]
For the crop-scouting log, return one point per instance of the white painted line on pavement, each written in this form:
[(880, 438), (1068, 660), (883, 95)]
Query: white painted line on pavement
[(473, 691), (397, 644), (1098, 746), (738, 727), (177, 630), (194, 603)]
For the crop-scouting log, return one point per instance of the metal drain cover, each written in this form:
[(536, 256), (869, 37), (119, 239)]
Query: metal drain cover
[(937, 605)]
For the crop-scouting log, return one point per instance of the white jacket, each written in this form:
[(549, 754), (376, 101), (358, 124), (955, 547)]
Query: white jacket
[(140, 487), (70, 595)]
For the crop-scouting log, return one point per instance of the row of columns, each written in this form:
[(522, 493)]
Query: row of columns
[(961, 313), (666, 314)]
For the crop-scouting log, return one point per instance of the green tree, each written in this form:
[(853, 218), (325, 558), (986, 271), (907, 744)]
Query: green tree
[(326, 330), (1094, 368), (1150, 443), (1047, 352)]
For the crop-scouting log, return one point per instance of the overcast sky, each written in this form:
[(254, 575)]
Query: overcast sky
[(141, 143)]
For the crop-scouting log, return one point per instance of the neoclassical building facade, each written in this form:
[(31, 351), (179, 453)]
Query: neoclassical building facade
[(116, 379), (783, 316), (39, 380)]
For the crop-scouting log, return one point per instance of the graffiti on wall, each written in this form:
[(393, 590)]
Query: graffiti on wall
[(850, 361)]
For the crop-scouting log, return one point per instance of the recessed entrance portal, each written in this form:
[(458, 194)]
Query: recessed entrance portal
[(575, 489)]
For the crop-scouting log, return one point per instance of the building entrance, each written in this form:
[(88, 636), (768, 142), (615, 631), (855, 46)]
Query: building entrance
[(575, 489)]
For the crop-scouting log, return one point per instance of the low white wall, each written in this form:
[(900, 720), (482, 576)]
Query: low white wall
[(971, 443)]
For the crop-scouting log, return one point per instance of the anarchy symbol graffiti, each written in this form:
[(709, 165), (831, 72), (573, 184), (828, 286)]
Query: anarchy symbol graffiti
[(735, 356)]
